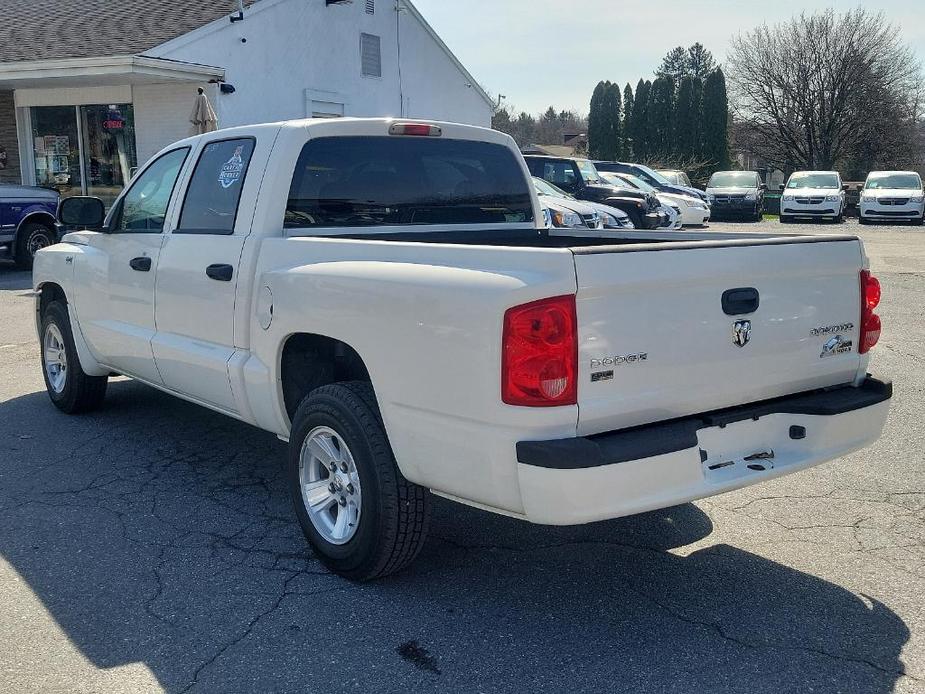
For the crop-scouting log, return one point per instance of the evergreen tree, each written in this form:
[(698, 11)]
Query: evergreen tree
[(697, 99), (501, 120), (548, 130), (597, 125), (661, 117), (715, 136), (686, 117), (613, 106), (674, 65), (639, 130), (627, 121), (700, 62)]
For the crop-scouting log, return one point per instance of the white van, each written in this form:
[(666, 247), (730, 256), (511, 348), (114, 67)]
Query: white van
[(815, 194), (892, 195)]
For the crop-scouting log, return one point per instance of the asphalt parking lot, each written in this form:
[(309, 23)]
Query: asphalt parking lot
[(151, 547)]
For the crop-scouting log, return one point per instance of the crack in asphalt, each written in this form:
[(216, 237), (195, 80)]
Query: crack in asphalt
[(246, 632), (720, 631)]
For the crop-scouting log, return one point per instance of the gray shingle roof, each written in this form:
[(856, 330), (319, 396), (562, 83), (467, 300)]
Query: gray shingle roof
[(43, 29)]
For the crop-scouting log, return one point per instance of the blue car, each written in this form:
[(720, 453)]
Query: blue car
[(27, 221), (650, 176)]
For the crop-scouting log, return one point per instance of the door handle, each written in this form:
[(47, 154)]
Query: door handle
[(142, 264), (220, 272), (739, 301)]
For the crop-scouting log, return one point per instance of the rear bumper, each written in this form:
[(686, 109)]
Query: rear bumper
[(584, 479)]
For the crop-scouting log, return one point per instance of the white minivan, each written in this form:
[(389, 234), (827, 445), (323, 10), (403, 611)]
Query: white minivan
[(892, 196), (815, 194)]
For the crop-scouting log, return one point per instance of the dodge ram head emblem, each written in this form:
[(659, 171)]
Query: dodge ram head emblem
[(741, 332)]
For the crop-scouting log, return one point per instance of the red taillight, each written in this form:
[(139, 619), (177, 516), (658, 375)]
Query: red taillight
[(539, 353), (415, 129), (870, 321)]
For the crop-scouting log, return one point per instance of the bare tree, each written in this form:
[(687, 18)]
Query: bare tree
[(820, 89)]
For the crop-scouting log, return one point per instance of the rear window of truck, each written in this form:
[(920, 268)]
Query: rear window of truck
[(384, 181)]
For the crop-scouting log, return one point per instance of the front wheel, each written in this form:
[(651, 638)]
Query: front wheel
[(32, 239), (70, 389), (361, 516)]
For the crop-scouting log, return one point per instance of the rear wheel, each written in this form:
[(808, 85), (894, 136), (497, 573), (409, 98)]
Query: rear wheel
[(70, 389), (33, 237), (635, 218), (361, 516)]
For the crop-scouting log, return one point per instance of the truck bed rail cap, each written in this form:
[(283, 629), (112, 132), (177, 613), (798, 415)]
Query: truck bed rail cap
[(719, 243)]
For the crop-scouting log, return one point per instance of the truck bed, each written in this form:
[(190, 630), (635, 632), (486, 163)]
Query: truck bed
[(602, 241)]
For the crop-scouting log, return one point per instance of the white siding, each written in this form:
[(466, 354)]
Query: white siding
[(162, 115), (293, 47), (434, 87)]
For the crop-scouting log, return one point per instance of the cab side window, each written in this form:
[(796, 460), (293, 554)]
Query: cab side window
[(212, 197), (143, 208)]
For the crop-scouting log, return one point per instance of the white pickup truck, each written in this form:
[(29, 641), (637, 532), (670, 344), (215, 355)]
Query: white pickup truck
[(381, 295)]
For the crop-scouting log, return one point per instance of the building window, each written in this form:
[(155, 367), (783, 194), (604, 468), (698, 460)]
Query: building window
[(370, 6), (84, 150), (371, 55)]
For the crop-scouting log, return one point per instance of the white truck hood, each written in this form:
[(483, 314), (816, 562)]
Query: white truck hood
[(811, 192), (680, 200), (891, 192)]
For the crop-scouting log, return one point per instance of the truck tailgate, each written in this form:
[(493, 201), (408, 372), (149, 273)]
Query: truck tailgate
[(656, 342)]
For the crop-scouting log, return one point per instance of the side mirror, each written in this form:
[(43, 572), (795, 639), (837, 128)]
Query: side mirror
[(81, 211), (846, 187)]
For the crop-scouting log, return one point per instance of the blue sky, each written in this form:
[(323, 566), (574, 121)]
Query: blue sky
[(552, 52)]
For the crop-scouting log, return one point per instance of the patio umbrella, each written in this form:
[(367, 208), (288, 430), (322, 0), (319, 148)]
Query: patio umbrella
[(203, 116)]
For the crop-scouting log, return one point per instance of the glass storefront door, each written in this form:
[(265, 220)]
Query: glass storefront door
[(56, 148), (108, 138), (84, 150)]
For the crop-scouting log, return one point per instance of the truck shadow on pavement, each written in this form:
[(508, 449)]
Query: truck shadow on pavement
[(13, 278), (158, 532)]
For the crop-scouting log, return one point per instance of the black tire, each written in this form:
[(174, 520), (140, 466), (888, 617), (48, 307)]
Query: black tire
[(839, 218), (32, 237), (784, 219), (80, 393), (395, 513), (863, 220)]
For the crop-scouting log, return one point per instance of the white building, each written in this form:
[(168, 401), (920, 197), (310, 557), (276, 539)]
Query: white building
[(90, 90)]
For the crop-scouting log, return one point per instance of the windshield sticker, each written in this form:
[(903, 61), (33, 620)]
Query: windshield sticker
[(232, 169)]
